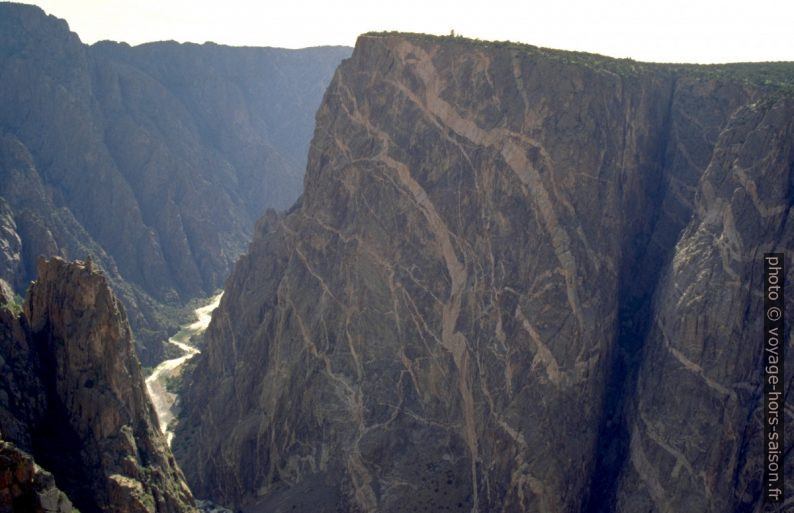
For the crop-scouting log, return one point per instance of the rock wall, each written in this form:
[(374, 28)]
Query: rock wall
[(24, 486), (155, 160), (695, 423), (517, 280), (73, 397)]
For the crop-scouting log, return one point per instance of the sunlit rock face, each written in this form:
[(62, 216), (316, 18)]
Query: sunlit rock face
[(72, 396), (517, 280), (156, 160)]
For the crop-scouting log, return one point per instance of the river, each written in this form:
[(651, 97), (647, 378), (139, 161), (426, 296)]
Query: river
[(156, 382)]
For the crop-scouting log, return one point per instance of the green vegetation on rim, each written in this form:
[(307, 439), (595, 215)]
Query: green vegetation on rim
[(14, 305), (772, 75)]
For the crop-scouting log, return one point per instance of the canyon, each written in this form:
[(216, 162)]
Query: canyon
[(155, 160), (77, 425), (517, 279), (513, 279), (157, 383)]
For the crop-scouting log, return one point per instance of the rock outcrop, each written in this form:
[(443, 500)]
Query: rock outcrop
[(155, 160), (517, 280), (695, 423), (72, 396), (24, 486)]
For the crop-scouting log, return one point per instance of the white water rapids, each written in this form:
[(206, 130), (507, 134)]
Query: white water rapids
[(163, 399)]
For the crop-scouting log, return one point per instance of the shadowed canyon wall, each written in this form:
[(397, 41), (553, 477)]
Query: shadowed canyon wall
[(156, 160)]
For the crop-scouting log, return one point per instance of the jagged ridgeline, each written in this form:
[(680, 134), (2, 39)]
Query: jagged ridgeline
[(518, 280), (156, 160), (73, 399)]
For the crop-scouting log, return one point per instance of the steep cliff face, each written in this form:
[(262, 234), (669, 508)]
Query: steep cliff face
[(72, 396), (156, 160), (696, 420), (453, 316)]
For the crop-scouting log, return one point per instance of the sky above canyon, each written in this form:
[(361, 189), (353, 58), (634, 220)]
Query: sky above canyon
[(673, 31)]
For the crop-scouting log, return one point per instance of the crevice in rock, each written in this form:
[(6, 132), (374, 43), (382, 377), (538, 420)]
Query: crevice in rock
[(640, 271), (56, 445)]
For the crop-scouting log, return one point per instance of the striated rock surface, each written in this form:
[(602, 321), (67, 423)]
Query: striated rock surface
[(72, 395), (155, 160), (459, 313), (696, 419)]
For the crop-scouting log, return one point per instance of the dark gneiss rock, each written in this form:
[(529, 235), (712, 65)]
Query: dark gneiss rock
[(696, 420), (156, 160), (26, 487), (465, 309), (72, 395)]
